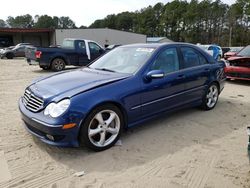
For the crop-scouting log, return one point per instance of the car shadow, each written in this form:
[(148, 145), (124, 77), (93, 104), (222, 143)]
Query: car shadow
[(162, 136), (239, 82)]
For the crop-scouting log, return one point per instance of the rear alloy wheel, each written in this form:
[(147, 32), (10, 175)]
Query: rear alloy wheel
[(58, 64), (211, 97), (102, 128)]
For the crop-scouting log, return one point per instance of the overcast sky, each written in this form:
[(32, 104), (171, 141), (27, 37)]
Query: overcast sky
[(82, 12)]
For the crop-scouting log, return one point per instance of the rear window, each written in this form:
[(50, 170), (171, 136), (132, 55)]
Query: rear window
[(245, 51), (69, 44)]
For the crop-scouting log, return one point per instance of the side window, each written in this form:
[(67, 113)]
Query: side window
[(192, 57), (20, 48), (82, 46), (94, 48), (210, 48), (203, 60), (167, 61)]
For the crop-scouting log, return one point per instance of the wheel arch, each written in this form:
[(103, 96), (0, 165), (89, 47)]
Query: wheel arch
[(217, 83), (117, 104), (114, 103), (10, 53)]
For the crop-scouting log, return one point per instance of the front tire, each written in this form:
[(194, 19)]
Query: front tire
[(58, 64), (211, 97), (10, 56), (102, 128)]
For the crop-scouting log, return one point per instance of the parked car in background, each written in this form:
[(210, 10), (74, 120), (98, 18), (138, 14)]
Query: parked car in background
[(4, 49), (238, 66), (5, 42), (123, 88), (213, 50), (14, 51), (78, 52), (225, 50), (232, 52)]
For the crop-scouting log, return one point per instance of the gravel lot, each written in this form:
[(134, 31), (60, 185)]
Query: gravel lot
[(190, 148)]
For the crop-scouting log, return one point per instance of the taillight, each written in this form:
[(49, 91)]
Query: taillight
[(38, 54)]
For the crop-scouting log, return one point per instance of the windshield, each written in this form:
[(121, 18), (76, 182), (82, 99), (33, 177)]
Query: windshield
[(235, 49), (245, 51), (123, 59), (69, 44)]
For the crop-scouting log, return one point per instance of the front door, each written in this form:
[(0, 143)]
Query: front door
[(95, 51), (167, 92), (82, 54)]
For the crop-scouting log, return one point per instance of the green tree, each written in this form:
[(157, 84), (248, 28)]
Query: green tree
[(46, 21), (23, 21), (66, 23), (206, 21), (98, 24), (2, 23)]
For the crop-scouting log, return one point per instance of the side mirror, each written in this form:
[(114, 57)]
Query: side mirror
[(155, 74), (101, 51)]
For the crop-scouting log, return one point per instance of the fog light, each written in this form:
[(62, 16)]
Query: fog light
[(50, 137)]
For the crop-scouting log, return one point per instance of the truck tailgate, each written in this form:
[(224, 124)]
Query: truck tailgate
[(30, 53)]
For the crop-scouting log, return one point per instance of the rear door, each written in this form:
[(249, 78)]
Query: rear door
[(197, 71)]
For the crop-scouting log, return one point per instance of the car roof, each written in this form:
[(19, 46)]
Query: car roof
[(156, 45)]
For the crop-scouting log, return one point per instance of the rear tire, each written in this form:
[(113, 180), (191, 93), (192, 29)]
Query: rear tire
[(58, 64), (102, 128), (210, 98)]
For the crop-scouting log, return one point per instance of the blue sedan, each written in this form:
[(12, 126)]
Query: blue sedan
[(127, 86)]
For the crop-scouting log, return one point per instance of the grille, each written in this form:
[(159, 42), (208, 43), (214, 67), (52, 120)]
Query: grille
[(32, 102), (240, 75)]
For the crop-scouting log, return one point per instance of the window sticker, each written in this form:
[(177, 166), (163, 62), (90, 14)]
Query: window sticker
[(145, 50)]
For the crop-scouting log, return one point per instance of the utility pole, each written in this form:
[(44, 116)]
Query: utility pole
[(230, 37)]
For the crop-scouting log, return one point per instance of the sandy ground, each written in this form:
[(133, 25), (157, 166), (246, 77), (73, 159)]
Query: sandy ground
[(190, 148)]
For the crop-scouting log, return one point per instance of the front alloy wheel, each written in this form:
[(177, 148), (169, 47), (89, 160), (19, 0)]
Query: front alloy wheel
[(102, 128)]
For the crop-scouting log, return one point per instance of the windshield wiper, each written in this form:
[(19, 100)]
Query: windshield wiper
[(105, 69)]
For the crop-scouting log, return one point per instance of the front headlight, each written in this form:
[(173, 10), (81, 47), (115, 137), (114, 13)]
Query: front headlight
[(227, 63), (57, 109)]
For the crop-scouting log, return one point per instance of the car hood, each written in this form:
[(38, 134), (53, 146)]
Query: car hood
[(235, 58), (70, 83), (239, 61), (231, 53)]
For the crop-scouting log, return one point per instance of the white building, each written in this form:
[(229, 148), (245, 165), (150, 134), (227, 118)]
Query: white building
[(158, 40), (103, 36)]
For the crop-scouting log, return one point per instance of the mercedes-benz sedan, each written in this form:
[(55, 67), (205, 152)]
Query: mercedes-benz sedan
[(127, 86)]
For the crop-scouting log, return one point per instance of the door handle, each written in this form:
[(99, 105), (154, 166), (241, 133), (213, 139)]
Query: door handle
[(207, 70), (181, 76)]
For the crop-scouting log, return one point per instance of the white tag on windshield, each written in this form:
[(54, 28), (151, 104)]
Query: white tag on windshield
[(145, 50)]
